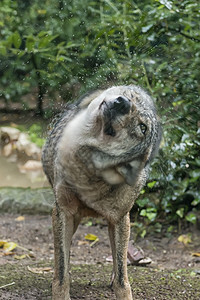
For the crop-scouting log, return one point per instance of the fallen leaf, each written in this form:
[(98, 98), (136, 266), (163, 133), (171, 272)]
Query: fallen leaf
[(89, 223), (196, 254), (91, 237), (193, 274), (2, 243), (185, 239), (109, 258), (6, 253), (40, 270), (9, 246), (31, 255), (80, 243), (19, 257), (20, 218)]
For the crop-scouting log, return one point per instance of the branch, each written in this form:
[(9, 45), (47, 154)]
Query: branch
[(41, 89), (189, 37), (178, 31)]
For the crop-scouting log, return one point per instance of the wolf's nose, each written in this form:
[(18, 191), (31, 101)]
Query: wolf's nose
[(121, 105)]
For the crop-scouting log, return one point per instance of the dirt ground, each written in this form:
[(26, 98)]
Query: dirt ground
[(27, 272)]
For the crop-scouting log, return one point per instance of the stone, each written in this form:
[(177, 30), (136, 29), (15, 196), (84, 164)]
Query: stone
[(25, 145), (32, 165), (7, 149), (10, 133)]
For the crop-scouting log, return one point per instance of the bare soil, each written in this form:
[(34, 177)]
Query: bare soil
[(173, 274)]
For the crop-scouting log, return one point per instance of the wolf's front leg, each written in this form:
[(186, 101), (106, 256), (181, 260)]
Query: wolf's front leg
[(119, 237), (64, 226)]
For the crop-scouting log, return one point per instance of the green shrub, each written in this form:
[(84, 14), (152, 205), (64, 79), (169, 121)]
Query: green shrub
[(61, 49)]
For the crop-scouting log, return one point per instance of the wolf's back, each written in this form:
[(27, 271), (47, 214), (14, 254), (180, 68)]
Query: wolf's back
[(49, 152)]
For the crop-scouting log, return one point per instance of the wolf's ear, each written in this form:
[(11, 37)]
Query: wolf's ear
[(130, 171)]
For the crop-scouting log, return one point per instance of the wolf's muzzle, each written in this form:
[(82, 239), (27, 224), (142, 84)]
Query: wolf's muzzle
[(120, 106)]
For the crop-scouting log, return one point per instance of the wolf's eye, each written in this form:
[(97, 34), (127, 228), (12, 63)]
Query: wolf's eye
[(143, 127)]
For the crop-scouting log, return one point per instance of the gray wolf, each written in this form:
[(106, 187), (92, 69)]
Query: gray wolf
[(97, 158)]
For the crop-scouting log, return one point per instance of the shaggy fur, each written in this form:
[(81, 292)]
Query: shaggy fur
[(97, 158)]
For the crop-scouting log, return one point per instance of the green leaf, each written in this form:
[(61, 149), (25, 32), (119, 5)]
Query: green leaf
[(151, 184), (43, 42), (3, 50), (158, 227), (16, 38), (177, 103), (151, 216), (142, 191), (42, 11), (142, 202), (146, 28), (195, 173), (46, 40), (143, 233), (62, 58), (197, 161), (89, 223), (193, 274), (143, 213), (180, 212), (191, 217), (170, 228), (150, 213), (30, 42), (166, 3), (42, 33), (195, 202)]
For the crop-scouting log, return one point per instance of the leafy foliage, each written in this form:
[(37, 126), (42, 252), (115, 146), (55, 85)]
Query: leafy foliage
[(61, 49), (35, 132)]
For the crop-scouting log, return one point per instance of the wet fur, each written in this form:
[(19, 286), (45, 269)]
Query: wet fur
[(96, 158)]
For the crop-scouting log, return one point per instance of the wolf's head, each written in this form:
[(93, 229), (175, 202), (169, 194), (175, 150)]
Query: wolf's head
[(122, 130)]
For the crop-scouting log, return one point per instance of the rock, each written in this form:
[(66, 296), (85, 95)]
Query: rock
[(23, 141), (33, 150), (31, 165), (10, 133), (19, 141), (26, 200), (30, 149), (7, 149)]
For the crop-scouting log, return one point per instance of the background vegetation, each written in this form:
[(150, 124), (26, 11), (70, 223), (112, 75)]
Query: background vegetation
[(57, 50)]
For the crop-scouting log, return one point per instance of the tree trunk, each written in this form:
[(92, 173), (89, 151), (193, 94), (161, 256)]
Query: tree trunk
[(41, 88)]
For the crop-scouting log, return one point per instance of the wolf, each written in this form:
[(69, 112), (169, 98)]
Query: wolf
[(96, 158)]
